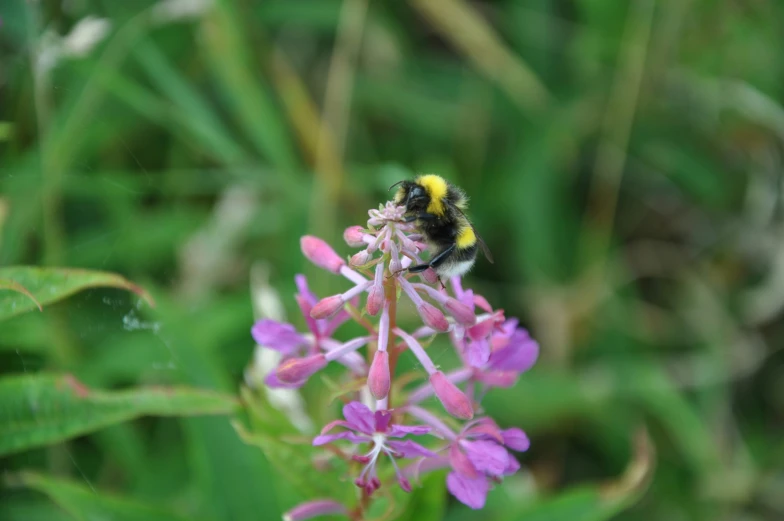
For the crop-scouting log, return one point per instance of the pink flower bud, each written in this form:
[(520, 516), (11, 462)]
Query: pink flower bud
[(354, 236), (429, 276), (327, 307), (300, 369), (320, 253), (360, 258), (432, 317), (378, 377), (454, 401), (462, 313), (375, 300)]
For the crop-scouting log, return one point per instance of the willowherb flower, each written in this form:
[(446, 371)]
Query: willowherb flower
[(492, 349), (374, 428)]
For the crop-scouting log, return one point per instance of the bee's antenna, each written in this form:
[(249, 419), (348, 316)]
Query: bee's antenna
[(394, 185)]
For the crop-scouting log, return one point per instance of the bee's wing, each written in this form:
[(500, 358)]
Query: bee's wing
[(485, 249)]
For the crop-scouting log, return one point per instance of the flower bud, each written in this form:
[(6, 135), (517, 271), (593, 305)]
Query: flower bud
[(432, 317), (378, 377), (327, 307), (430, 276), (454, 401), (321, 254), (354, 236), (375, 300), (462, 313), (300, 369), (360, 258)]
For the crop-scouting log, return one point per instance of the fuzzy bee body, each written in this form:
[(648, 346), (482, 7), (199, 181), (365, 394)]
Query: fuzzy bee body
[(438, 210)]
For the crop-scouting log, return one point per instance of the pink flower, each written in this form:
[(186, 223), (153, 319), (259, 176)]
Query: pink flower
[(285, 339), (365, 426)]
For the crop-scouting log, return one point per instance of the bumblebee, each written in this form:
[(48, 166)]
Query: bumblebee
[(438, 210)]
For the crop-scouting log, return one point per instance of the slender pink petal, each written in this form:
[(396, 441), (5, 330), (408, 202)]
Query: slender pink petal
[(481, 330), (323, 439), (470, 492), (360, 417), (271, 381), (277, 335), (398, 431), (485, 429), (516, 439), (482, 303), (462, 313), (314, 508), (410, 449), (454, 401)]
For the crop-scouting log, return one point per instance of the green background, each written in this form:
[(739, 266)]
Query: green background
[(624, 165)]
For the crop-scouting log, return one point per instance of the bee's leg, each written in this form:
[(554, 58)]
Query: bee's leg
[(435, 261), (421, 216)]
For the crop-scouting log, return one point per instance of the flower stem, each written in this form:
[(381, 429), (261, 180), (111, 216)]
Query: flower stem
[(390, 294)]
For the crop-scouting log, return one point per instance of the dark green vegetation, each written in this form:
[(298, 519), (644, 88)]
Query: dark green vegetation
[(624, 161)]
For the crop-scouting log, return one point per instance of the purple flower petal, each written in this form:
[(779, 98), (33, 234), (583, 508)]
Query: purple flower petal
[(271, 380), (302, 288), (410, 449), (498, 378), (277, 335), (486, 430), (381, 419), (516, 439), (470, 492), (478, 352), (360, 417), (323, 439), (512, 466), (487, 456), (460, 462), (398, 431), (519, 355)]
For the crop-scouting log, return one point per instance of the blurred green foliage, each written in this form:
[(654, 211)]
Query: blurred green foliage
[(624, 162)]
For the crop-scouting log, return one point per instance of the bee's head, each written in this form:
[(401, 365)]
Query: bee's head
[(412, 195)]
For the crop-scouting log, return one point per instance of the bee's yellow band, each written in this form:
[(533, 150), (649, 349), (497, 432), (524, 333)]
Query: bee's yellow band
[(466, 238), (436, 188)]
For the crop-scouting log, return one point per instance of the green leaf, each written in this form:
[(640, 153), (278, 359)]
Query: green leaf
[(85, 503), (427, 502), (40, 409), (48, 285), (15, 286)]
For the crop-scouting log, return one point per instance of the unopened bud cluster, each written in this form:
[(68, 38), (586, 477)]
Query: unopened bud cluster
[(492, 349)]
